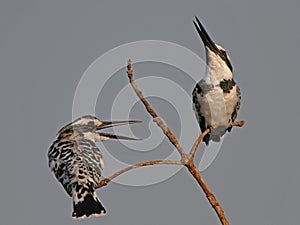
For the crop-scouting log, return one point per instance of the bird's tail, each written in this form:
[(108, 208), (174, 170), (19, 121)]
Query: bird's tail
[(215, 134), (86, 203)]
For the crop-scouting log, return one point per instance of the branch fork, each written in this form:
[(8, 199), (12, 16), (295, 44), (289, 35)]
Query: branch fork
[(186, 159)]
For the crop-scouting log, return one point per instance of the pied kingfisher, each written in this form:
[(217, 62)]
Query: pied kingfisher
[(77, 162), (216, 98)]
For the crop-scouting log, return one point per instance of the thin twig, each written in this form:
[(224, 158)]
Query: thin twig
[(196, 144), (200, 138), (189, 164), (156, 119), (186, 160), (104, 182), (209, 195)]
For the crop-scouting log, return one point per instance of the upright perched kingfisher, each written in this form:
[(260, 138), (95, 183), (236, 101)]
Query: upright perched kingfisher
[(216, 98), (77, 162)]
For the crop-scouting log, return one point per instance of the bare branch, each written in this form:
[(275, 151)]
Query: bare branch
[(156, 119), (200, 138), (209, 195), (104, 182), (238, 123), (196, 144), (185, 159)]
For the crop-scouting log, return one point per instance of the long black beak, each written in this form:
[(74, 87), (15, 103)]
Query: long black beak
[(106, 136), (113, 124), (207, 41)]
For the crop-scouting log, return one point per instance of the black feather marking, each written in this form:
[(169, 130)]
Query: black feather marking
[(236, 108), (197, 106), (227, 85), (90, 205)]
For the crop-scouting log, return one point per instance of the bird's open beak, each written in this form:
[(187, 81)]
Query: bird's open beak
[(113, 124), (207, 41)]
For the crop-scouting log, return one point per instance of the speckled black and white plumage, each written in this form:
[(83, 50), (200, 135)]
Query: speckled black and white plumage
[(77, 162), (216, 97), (228, 110)]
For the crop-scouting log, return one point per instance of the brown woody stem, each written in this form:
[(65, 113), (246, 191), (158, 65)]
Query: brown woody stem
[(200, 138), (104, 182), (186, 160), (156, 119)]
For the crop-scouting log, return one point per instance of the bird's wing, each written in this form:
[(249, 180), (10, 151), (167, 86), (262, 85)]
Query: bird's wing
[(61, 155), (238, 105), (197, 92), (197, 107), (77, 161), (92, 157)]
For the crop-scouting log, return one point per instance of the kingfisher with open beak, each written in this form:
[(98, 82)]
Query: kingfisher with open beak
[(77, 162)]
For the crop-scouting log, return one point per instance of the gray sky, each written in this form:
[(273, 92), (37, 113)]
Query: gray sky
[(47, 45)]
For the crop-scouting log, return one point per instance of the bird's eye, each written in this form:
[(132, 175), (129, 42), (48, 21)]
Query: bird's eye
[(91, 123)]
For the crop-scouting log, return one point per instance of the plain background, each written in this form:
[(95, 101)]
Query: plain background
[(45, 46)]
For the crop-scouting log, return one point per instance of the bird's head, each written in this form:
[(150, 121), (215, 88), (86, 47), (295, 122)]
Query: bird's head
[(89, 126), (215, 53)]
